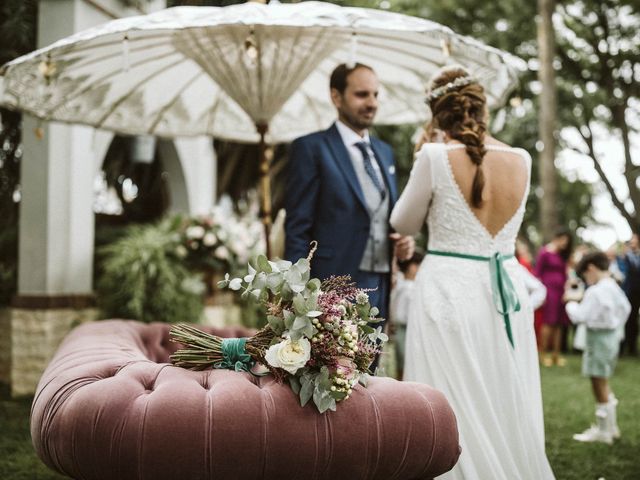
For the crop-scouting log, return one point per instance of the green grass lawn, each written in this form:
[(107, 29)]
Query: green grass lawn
[(568, 405), (569, 408)]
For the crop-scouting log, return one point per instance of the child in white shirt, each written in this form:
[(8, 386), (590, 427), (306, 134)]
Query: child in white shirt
[(604, 310), (401, 295)]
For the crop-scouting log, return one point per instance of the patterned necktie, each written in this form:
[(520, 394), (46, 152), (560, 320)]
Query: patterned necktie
[(368, 167)]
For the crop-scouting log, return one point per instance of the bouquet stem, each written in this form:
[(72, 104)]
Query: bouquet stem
[(211, 351)]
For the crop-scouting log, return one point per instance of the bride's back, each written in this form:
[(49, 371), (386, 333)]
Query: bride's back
[(506, 178)]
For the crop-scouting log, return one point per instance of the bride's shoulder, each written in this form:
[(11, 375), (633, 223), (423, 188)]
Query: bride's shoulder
[(494, 144), (429, 150)]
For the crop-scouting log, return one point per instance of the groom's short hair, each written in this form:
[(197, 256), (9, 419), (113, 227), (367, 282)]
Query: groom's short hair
[(340, 74)]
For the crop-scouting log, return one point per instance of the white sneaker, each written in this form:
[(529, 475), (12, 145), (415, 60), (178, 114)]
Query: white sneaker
[(594, 434)]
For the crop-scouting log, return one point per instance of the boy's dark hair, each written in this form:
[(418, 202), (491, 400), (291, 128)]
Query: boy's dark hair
[(416, 259), (339, 75), (597, 259)]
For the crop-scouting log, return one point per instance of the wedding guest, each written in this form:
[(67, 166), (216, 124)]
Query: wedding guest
[(401, 295), (573, 289), (614, 266), (551, 269), (632, 289), (524, 257), (622, 263), (604, 309), (341, 187), (535, 289)]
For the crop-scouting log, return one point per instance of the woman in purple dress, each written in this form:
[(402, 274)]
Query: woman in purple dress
[(551, 269)]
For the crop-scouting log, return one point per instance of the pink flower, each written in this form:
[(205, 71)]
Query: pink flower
[(346, 367)]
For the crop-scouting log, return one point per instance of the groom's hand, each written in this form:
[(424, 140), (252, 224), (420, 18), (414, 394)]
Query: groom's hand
[(403, 246)]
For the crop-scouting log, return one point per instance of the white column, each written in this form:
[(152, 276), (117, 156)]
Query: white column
[(56, 211), (56, 232), (199, 164)]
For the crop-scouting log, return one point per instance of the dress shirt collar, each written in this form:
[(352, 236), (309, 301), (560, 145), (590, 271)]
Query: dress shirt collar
[(349, 137)]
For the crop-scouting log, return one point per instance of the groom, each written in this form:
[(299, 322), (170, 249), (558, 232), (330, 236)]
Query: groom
[(341, 189)]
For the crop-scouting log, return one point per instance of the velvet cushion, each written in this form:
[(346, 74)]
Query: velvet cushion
[(109, 406)]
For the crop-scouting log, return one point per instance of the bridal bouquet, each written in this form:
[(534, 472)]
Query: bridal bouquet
[(318, 334)]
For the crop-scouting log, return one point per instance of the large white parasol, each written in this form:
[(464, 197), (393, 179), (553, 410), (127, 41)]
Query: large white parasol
[(248, 72)]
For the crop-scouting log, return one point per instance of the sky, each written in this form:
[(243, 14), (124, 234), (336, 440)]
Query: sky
[(613, 227)]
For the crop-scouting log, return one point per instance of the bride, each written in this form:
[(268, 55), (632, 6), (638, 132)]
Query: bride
[(470, 331)]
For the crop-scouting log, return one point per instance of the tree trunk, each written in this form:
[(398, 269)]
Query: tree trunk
[(631, 171), (547, 118)]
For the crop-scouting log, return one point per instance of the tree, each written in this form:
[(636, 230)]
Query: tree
[(547, 118), (600, 58), (18, 31), (506, 25)]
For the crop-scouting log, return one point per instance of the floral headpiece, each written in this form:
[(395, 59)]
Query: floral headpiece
[(457, 83)]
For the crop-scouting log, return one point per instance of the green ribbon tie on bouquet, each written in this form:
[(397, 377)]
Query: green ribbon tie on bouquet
[(503, 291), (234, 356)]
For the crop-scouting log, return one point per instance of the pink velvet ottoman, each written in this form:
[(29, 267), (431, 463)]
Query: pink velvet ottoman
[(109, 406)]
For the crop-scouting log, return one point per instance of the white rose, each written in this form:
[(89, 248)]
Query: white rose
[(209, 240), (195, 231), (289, 355)]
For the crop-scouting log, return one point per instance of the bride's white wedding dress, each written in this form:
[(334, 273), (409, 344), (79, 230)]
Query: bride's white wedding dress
[(456, 338)]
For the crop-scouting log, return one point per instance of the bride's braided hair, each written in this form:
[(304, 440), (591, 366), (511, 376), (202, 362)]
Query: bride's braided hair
[(460, 112)]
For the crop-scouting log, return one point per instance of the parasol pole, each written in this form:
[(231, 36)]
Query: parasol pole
[(265, 185)]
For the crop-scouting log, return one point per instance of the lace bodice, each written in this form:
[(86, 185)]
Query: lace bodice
[(432, 194)]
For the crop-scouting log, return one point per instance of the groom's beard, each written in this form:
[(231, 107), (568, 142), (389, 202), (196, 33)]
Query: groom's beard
[(362, 119)]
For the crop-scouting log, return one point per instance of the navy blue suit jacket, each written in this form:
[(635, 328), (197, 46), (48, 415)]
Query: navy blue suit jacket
[(324, 202)]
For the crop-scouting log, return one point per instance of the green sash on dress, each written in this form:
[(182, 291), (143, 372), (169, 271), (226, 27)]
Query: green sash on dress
[(504, 293)]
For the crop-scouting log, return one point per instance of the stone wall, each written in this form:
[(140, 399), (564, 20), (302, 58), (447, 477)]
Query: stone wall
[(35, 336), (5, 345)]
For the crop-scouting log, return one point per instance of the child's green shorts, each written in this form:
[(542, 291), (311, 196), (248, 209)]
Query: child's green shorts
[(601, 353)]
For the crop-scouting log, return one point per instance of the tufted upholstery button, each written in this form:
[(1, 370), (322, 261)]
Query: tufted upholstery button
[(217, 424)]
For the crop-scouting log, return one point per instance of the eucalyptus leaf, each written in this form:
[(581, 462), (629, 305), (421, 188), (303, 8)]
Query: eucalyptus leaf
[(302, 265), (235, 284), (286, 293), (274, 267), (311, 303), (306, 391), (323, 401), (274, 281), (314, 313), (260, 281), (263, 264), (338, 395), (284, 265), (367, 329), (295, 335), (289, 317), (293, 276), (295, 384), (300, 323), (314, 284), (264, 296), (309, 331), (299, 305), (276, 323)]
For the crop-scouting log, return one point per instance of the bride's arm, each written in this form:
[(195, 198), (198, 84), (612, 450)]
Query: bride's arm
[(412, 207)]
